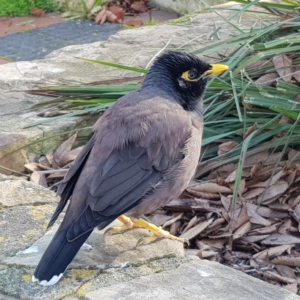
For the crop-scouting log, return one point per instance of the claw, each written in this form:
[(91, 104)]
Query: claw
[(146, 240), (128, 224), (115, 230)]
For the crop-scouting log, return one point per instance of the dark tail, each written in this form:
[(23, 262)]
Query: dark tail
[(57, 257)]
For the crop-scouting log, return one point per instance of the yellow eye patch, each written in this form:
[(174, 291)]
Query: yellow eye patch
[(190, 75)]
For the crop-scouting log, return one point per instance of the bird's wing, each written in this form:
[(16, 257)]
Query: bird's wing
[(65, 189), (107, 188), (117, 186)]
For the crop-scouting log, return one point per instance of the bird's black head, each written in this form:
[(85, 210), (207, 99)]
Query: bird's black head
[(183, 76)]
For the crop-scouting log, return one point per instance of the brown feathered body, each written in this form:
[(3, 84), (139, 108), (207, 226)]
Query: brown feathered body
[(164, 130)]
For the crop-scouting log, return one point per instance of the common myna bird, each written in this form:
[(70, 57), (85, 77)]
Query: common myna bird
[(144, 152)]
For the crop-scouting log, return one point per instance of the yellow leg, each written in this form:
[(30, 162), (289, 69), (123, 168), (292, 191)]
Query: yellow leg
[(158, 233), (128, 224)]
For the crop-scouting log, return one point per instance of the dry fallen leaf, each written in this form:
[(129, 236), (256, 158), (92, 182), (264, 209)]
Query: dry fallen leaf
[(255, 169), (175, 218), (293, 202), (226, 202), (267, 229), (39, 179), (37, 12), (32, 167), (240, 217), (210, 187), (135, 23), (256, 159), (159, 219), (211, 255), (255, 218), (267, 79), (297, 99), (194, 231), (191, 224), (297, 212), (253, 193), (273, 251), (69, 156), (59, 176), (62, 150), (139, 6), (290, 179), (197, 194), (254, 238), (226, 147), (231, 177), (269, 181), (279, 278), (285, 271), (284, 228), (44, 162), (217, 244), (285, 17), (223, 171), (280, 239), (105, 15), (267, 212), (243, 230), (296, 74), (241, 187), (117, 11), (274, 191), (283, 66), (250, 130), (260, 64), (175, 228), (291, 261), (293, 287), (100, 17)]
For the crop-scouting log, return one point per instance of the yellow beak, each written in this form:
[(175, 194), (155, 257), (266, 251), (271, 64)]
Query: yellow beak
[(216, 69)]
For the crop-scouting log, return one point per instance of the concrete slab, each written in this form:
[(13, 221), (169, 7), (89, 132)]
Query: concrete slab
[(103, 252), (17, 191), (197, 279), (16, 281)]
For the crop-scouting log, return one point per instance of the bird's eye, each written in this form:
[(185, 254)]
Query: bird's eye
[(191, 75)]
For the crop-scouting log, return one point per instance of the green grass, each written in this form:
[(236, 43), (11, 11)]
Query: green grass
[(151, 22), (22, 7)]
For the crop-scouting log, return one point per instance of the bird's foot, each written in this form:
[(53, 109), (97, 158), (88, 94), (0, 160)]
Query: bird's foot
[(158, 233), (128, 224)]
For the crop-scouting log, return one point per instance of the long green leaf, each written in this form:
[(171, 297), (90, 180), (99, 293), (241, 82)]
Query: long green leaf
[(105, 63)]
